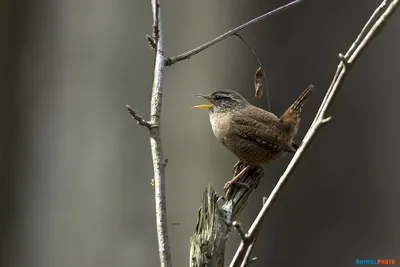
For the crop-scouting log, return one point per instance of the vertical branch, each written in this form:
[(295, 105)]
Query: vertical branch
[(153, 125), (155, 8), (155, 140)]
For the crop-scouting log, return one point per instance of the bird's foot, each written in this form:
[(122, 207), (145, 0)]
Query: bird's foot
[(237, 165), (236, 178), (229, 183)]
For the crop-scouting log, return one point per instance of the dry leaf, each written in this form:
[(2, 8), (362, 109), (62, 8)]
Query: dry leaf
[(258, 82)]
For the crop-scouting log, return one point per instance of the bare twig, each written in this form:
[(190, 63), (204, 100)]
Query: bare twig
[(156, 25), (240, 231), (345, 58), (187, 55), (251, 50), (155, 139), (242, 254), (138, 118), (151, 42)]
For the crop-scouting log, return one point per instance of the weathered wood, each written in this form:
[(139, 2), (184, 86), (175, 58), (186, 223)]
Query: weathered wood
[(207, 245)]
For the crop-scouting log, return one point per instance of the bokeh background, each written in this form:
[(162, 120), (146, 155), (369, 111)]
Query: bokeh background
[(76, 169)]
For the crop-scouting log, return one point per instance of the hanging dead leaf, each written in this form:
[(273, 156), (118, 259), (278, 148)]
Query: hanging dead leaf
[(258, 82)]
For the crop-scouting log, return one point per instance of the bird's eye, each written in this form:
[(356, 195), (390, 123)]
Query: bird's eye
[(217, 97)]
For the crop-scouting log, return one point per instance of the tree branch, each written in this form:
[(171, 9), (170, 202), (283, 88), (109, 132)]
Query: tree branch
[(242, 255), (187, 55), (153, 125), (207, 245), (155, 139), (138, 117)]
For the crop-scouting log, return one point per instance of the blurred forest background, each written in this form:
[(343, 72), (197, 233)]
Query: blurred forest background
[(75, 168)]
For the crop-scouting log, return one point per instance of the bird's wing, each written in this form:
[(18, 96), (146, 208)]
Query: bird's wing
[(261, 127)]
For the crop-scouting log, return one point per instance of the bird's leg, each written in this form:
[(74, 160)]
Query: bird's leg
[(237, 165), (236, 178)]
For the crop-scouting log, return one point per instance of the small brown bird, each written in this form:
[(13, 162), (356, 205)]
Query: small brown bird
[(254, 135)]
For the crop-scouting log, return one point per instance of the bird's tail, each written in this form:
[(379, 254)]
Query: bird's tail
[(300, 101), (290, 119)]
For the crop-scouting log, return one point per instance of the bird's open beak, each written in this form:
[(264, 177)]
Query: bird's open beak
[(203, 105)]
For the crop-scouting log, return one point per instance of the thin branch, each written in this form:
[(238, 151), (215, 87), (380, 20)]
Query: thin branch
[(187, 55), (251, 260), (251, 50), (151, 42), (155, 140), (365, 28), (156, 25), (138, 118), (240, 231), (351, 50), (159, 163), (244, 250)]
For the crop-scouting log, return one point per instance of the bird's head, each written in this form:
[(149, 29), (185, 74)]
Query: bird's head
[(223, 101)]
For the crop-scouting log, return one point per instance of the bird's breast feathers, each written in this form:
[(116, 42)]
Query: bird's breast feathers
[(220, 126)]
